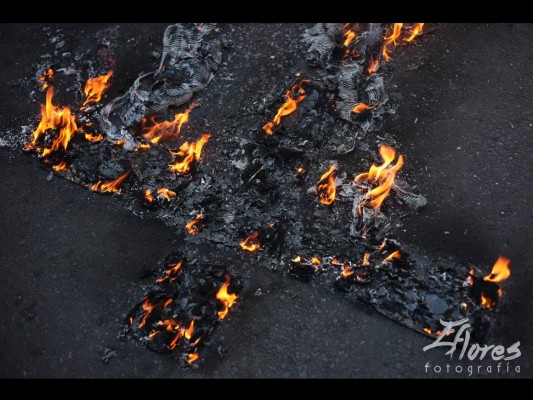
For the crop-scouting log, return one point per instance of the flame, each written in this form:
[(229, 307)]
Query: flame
[(147, 308), (362, 107), (168, 130), (347, 271), (45, 78), (326, 187), (300, 171), (251, 243), (487, 302), (191, 153), (167, 302), (110, 186), (288, 107), (335, 261), (94, 88), (415, 31), (148, 195), (315, 261), (94, 138), (297, 259), (373, 65), (131, 320), (152, 334), (364, 261), (393, 256), (350, 36), (500, 271), (192, 227), (381, 175), (166, 193), (428, 331), (226, 298), (192, 357), (119, 143), (53, 117), (189, 332), (62, 166), (172, 344), (391, 40)]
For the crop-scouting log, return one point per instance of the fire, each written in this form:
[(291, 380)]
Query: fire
[(192, 357), (190, 330), (62, 166), (251, 243), (393, 256), (110, 186), (381, 175), (350, 36), (500, 271), (226, 298), (53, 117), (45, 78), (315, 261), (94, 88), (373, 65), (487, 302), (171, 273), (415, 31), (326, 187), (148, 195), (364, 261), (335, 261), (347, 271), (190, 153), (288, 107), (166, 193), (94, 138), (147, 308), (428, 331), (297, 259), (362, 107), (193, 227), (391, 40), (300, 171), (168, 130)]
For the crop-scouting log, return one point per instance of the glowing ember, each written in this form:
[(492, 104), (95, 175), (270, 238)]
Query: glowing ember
[(192, 357), (362, 107), (315, 261), (251, 243), (194, 226), (94, 138), (364, 261), (226, 298), (393, 256), (428, 331), (415, 31), (288, 107), (110, 186), (500, 271), (381, 175), (350, 36), (52, 117), (347, 271), (373, 65), (190, 153), (147, 308), (297, 259), (148, 196), (189, 332), (62, 166), (487, 302), (45, 78), (171, 272), (300, 171), (166, 193), (326, 187), (168, 130), (94, 88)]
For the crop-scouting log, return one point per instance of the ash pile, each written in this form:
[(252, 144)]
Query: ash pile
[(300, 186)]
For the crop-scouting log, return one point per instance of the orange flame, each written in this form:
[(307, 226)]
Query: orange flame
[(168, 130), (110, 186), (288, 107), (148, 195), (415, 31), (315, 261), (428, 331), (350, 36), (393, 256), (191, 153), (189, 332), (45, 78), (94, 88), (500, 271), (297, 259), (251, 243), (391, 40), (171, 273), (364, 261), (147, 308), (192, 357), (166, 193), (94, 138), (326, 187), (62, 166), (300, 171), (192, 226), (381, 175), (53, 117), (226, 298), (347, 271), (487, 302), (373, 65), (362, 107)]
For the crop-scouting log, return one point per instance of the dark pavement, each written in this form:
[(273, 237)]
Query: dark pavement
[(71, 260)]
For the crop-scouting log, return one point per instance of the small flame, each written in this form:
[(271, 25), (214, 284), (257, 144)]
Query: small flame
[(362, 107), (347, 271), (171, 273), (298, 259), (326, 187), (110, 186), (381, 175), (94, 88), (190, 153), (428, 331), (251, 243), (62, 166), (364, 261), (500, 271), (45, 78), (194, 227), (189, 332), (94, 138), (172, 344), (53, 117), (166, 193), (315, 261), (350, 36), (373, 65), (415, 31), (393, 256), (148, 196), (168, 130), (391, 40), (226, 298), (147, 308), (288, 107), (334, 261), (487, 302), (300, 171), (192, 357)]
